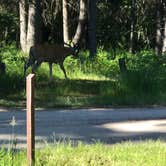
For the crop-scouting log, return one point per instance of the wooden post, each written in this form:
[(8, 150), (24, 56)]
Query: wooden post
[(30, 118)]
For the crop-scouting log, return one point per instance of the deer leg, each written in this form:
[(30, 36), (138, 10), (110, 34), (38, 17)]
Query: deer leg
[(63, 69), (50, 66), (35, 66), (26, 65)]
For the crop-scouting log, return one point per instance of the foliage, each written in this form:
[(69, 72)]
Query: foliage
[(13, 59), (8, 26), (113, 22)]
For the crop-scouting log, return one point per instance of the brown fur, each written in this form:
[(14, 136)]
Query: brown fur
[(49, 53)]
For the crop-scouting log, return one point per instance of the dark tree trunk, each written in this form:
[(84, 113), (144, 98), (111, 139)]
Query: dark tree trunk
[(164, 28), (159, 32), (122, 65), (92, 27), (132, 27)]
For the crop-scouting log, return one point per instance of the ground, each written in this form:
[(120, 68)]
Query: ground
[(109, 125)]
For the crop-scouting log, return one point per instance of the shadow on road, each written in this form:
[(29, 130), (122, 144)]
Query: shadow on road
[(87, 125)]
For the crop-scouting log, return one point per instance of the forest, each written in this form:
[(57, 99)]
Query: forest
[(120, 61)]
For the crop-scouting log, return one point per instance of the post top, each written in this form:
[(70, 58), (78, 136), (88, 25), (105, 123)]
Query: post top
[(30, 76)]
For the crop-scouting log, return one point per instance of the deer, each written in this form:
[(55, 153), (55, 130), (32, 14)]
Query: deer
[(54, 53)]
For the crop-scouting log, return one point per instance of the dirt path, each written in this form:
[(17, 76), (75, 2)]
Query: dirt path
[(88, 125)]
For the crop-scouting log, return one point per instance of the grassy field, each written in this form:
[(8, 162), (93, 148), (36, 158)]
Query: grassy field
[(81, 93), (86, 93), (149, 153), (92, 82)]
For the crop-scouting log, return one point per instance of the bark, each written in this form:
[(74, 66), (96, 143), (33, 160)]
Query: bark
[(38, 22), (56, 7), (92, 27), (34, 33), (31, 27), (122, 65), (81, 22), (158, 47), (132, 27), (164, 28), (23, 23), (65, 22)]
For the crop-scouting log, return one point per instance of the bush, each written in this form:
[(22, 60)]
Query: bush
[(13, 59), (8, 26)]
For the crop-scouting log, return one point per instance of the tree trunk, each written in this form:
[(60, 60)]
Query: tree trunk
[(132, 27), (122, 65), (65, 22), (23, 23), (158, 47), (38, 22), (34, 35), (164, 28), (92, 27), (31, 27), (81, 21)]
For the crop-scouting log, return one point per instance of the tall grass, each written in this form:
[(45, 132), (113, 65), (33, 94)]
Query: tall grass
[(149, 153), (92, 82)]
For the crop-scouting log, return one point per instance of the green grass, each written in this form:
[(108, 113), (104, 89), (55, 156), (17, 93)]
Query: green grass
[(149, 153), (92, 82), (87, 93)]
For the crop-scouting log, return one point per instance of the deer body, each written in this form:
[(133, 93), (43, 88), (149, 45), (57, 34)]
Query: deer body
[(49, 53)]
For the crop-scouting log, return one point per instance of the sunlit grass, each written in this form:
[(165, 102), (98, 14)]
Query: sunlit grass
[(149, 153), (77, 74)]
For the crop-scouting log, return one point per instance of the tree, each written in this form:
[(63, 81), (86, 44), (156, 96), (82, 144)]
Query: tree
[(132, 26), (81, 21), (80, 24), (65, 22), (164, 28), (160, 27), (30, 24), (158, 46), (92, 27), (23, 23)]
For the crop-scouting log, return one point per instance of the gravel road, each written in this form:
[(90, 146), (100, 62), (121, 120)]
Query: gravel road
[(88, 125)]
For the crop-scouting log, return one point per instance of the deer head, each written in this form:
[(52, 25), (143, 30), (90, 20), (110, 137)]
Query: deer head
[(74, 49)]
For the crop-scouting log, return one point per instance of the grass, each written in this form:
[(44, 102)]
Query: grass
[(149, 153), (92, 83), (86, 93), (82, 93)]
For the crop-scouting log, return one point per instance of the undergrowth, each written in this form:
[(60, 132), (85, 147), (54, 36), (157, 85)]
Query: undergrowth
[(92, 82)]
